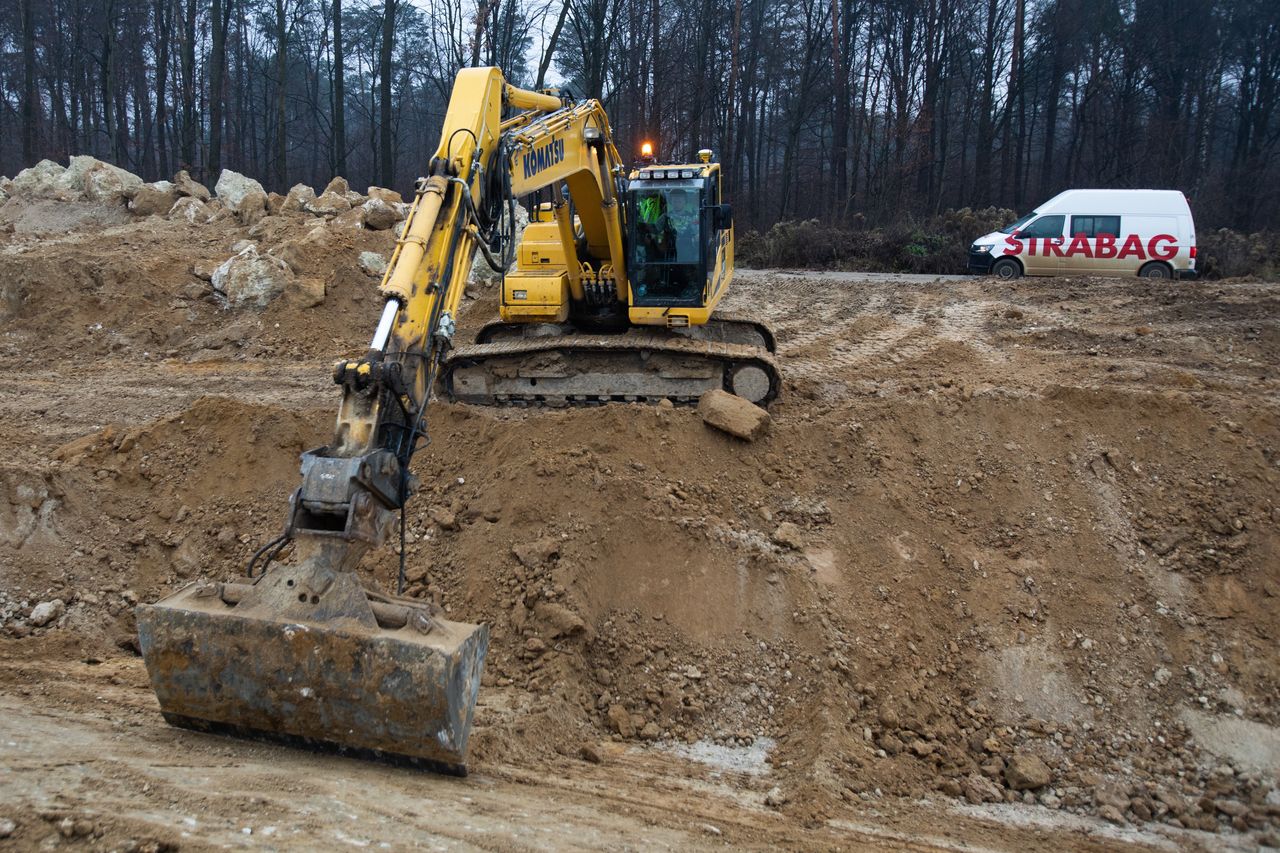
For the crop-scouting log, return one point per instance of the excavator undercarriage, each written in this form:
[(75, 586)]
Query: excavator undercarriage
[(556, 365)]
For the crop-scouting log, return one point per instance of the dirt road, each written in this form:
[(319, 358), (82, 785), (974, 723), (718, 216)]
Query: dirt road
[(1034, 519)]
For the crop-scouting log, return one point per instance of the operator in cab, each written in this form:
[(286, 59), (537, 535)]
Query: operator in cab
[(669, 229), (669, 225)]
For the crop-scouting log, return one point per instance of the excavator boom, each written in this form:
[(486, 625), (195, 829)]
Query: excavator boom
[(620, 306), (300, 649)]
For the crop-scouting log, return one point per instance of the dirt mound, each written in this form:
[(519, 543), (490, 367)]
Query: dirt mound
[(124, 513), (1002, 544), (968, 587), (143, 290)]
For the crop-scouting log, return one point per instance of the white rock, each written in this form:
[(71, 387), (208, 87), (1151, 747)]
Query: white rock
[(298, 198), (251, 278), (189, 209), (110, 184), (372, 263), (47, 611), (232, 187), (39, 180), (72, 178)]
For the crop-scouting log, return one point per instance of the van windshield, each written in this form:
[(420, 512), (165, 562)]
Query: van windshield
[(1014, 226)]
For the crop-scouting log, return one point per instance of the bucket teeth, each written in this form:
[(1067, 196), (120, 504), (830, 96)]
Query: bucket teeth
[(382, 677)]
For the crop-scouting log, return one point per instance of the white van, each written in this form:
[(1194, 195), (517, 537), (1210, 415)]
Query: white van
[(1094, 232)]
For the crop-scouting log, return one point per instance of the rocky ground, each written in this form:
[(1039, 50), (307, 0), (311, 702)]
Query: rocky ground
[(1002, 572)]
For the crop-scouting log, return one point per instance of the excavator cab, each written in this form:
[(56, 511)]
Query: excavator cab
[(680, 243)]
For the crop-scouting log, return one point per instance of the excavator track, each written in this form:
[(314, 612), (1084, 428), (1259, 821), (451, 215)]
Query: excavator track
[(591, 370)]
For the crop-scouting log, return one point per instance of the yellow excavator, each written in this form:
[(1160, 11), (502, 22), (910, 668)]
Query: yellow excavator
[(608, 297)]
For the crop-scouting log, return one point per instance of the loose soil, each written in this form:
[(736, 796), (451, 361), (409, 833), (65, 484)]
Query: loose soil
[(991, 521)]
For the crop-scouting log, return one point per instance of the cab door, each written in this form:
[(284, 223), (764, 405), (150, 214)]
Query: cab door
[(1042, 245)]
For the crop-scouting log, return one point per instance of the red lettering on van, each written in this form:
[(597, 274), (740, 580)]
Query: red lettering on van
[(1132, 248), (1080, 246), (1013, 246), (1162, 253), (1106, 247), (1052, 246)]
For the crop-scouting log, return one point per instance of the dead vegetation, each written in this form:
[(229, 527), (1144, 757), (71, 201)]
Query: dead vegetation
[(940, 245)]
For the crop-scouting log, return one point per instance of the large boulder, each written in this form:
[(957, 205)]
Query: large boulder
[(328, 204), (232, 189), (106, 184), (155, 199), (380, 215), (38, 181), (352, 219), (252, 207), (1026, 772), (72, 178), (188, 186), (384, 194), (249, 278), (112, 184), (301, 253), (191, 210), (338, 186), (300, 195)]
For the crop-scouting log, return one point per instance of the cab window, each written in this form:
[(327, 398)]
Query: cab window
[(1095, 226), (1045, 226), (668, 225), (666, 259)]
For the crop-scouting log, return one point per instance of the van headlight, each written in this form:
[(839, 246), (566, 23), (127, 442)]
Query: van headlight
[(981, 248)]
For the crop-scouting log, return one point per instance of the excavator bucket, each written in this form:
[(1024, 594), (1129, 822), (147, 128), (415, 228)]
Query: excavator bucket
[(306, 653)]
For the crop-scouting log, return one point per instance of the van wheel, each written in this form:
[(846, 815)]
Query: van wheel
[(1007, 269), (1155, 269)]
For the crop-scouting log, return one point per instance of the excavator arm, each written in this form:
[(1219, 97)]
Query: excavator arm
[(357, 482), (483, 162), (301, 649)]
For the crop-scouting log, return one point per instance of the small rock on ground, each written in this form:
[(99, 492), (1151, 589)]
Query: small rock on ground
[(732, 414), (47, 611), (1025, 772)]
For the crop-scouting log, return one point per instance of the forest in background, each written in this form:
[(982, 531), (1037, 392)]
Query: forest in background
[(849, 112)]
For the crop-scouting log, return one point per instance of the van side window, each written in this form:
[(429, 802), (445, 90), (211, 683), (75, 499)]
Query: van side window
[(1095, 226), (1045, 226)]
